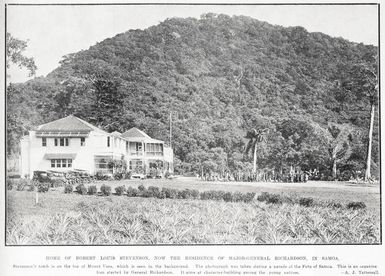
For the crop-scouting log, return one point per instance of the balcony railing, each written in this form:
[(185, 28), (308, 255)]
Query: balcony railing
[(154, 153)]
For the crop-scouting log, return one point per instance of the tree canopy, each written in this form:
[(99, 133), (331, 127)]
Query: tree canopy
[(220, 76)]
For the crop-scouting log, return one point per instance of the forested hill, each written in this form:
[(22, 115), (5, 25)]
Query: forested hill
[(219, 76)]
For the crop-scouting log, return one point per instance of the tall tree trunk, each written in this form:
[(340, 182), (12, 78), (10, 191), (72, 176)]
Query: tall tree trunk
[(369, 154), (255, 158), (334, 168)]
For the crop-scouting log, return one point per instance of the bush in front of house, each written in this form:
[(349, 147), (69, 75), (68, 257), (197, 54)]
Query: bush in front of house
[(170, 193), (248, 197), (106, 190), (43, 187), (120, 190), (306, 201), (141, 187), (237, 197), (92, 190), (81, 189), (10, 184), (22, 184), (128, 175), (153, 173), (228, 197), (153, 191), (269, 198), (57, 183), (132, 192), (167, 175), (212, 195), (118, 176), (101, 176), (68, 189), (32, 185), (356, 205), (188, 194)]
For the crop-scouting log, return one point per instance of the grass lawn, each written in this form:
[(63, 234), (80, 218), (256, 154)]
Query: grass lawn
[(83, 219)]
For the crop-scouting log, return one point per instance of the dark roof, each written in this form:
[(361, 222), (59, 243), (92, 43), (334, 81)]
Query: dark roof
[(69, 123), (134, 132)]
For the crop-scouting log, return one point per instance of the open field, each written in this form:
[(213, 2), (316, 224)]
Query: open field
[(81, 219)]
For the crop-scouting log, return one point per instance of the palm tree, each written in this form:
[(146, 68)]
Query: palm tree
[(255, 137), (339, 138)]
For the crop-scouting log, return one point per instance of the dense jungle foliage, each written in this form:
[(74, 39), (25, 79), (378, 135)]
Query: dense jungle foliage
[(219, 77)]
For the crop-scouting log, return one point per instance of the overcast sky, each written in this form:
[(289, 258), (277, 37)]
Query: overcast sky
[(54, 31)]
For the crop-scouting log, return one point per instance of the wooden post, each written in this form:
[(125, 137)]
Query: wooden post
[(369, 154)]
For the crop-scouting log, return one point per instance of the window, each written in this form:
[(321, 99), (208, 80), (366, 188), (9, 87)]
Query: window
[(136, 165), (61, 163), (101, 164), (62, 142), (154, 149), (82, 141), (108, 141), (44, 142)]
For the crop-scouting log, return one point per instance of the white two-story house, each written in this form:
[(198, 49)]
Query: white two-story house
[(72, 143)]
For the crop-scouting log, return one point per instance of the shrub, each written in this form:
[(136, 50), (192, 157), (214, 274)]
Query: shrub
[(141, 187), (128, 175), (306, 201), (167, 174), (68, 189), (206, 195), (153, 191), (43, 187), (81, 189), (212, 195), (92, 190), (153, 173), (10, 183), (194, 194), (356, 205), (118, 176), (269, 198), (248, 197), (120, 190), (170, 193), (54, 183), (188, 194), (32, 185), (132, 191), (237, 197), (21, 184), (228, 197), (106, 190), (101, 176)]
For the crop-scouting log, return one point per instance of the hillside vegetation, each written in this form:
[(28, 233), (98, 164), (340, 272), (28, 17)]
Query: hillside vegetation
[(219, 77)]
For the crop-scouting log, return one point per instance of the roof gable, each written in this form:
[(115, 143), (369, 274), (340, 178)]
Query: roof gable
[(135, 133), (69, 123)]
